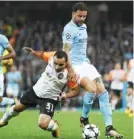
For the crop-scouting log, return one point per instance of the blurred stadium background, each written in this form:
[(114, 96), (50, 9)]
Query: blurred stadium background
[(39, 25)]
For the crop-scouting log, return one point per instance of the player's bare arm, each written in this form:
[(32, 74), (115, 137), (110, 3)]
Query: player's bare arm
[(73, 92), (40, 54), (67, 47), (32, 52), (11, 53)]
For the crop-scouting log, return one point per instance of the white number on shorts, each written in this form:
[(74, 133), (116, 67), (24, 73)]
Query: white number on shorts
[(49, 106)]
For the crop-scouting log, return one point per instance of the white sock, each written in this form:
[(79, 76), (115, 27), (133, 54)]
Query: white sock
[(7, 101), (132, 104), (129, 101), (9, 114), (52, 126), (114, 102)]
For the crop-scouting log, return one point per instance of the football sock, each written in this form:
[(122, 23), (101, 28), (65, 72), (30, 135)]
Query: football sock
[(87, 104), (9, 114), (51, 126), (129, 101), (132, 104), (105, 107)]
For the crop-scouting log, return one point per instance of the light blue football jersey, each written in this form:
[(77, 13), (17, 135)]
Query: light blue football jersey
[(11, 77), (4, 44), (77, 37)]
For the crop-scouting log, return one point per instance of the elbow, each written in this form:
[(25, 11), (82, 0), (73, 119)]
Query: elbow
[(13, 54)]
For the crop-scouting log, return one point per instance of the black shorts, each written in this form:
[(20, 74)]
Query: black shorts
[(117, 92), (30, 99), (130, 85)]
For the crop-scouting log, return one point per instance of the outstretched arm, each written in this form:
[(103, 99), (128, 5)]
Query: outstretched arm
[(40, 54)]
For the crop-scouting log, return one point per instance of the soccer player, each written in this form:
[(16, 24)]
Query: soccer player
[(75, 44), (5, 45), (45, 92), (130, 91), (13, 78), (116, 76)]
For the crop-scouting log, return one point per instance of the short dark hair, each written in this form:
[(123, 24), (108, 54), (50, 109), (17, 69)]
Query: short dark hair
[(61, 54), (79, 6)]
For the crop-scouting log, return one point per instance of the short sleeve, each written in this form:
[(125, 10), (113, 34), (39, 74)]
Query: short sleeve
[(68, 35), (4, 41), (47, 55)]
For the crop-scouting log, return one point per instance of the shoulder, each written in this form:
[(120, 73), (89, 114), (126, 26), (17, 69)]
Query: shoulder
[(84, 26), (3, 37), (69, 26), (50, 62)]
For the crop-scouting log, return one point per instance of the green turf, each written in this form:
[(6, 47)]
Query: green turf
[(25, 125)]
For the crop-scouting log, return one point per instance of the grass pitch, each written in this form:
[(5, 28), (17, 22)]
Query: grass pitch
[(25, 126)]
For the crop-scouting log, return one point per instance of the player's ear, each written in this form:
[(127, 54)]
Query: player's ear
[(73, 13), (66, 63)]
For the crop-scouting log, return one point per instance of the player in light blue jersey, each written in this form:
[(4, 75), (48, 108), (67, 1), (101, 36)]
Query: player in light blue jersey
[(4, 45), (75, 44), (13, 79)]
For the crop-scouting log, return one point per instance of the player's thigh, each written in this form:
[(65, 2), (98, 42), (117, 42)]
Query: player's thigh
[(15, 92), (86, 70), (1, 85), (88, 85), (87, 73), (10, 91), (29, 98), (47, 106)]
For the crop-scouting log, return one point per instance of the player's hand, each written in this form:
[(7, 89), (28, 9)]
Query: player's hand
[(63, 96), (29, 50)]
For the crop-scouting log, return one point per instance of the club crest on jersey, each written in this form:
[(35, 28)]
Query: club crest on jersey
[(60, 76)]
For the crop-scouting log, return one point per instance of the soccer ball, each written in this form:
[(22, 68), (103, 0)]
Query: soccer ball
[(90, 131)]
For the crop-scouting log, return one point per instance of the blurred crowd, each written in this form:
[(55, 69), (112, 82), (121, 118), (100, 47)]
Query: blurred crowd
[(110, 42)]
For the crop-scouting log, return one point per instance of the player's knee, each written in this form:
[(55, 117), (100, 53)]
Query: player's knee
[(18, 109), (93, 89), (43, 125)]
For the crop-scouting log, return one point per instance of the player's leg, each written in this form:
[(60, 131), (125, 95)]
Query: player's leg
[(4, 100), (89, 86), (87, 105), (106, 109), (45, 122), (129, 99), (11, 112), (90, 90), (27, 100), (132, 107)]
